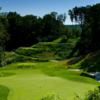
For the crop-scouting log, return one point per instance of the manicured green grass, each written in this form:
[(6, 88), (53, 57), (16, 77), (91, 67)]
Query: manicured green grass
[(33, 81)]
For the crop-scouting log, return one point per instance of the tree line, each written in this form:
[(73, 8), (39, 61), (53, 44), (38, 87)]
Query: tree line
[(29, 29), (89, 20)]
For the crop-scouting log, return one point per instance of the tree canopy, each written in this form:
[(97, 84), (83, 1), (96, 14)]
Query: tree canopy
[(29, 29), (89, 19), (3, 36)]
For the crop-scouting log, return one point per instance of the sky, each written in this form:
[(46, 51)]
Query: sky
[(42, 7)]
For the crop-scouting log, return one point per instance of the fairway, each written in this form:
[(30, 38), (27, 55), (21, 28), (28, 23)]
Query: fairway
[(34, 84)]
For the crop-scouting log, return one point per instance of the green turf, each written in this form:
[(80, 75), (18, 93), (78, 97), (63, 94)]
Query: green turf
[(33, 81)]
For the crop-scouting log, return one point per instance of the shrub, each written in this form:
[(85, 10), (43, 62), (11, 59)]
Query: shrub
[(93, 95), (51, 97)]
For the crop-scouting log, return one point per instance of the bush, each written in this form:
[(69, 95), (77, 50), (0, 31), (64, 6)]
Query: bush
[(51, 97), (93, 95)]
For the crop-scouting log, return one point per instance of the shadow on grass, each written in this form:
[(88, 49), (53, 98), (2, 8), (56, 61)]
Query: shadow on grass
[(4, 91)]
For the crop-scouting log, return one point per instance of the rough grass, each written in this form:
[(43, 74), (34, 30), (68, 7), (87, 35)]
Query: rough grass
[(48, 50), (43, 51), (12, 57), (33, 81)]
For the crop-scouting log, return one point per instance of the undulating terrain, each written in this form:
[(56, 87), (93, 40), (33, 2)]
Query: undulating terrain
[(41, 71)]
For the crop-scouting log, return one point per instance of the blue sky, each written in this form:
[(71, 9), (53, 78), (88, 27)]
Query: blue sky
[(42, 7)]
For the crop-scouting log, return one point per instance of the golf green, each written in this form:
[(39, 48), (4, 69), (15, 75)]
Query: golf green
[(34, 84)]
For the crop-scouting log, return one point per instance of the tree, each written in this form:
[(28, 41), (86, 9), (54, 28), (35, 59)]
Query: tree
[(29, 29), (52, 26), (14, 28), (89, 19), (3, 37), (22, 30)]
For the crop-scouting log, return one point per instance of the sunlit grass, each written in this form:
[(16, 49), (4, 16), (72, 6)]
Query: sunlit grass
[(33, 81)]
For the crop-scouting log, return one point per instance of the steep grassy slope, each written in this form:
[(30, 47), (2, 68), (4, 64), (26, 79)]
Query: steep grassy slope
[(43, 51), (55, 50), (49, 50), (12, 57)]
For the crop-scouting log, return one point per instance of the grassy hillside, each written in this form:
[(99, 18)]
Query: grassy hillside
[(49, 50), (43, 51), (55, 50)]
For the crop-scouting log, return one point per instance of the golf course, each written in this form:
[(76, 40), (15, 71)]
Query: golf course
[(49, 49)]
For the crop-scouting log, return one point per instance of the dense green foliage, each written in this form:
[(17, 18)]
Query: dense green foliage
[(3, 36), (28, 30), (91, 62), (89, 44), (93, 95), (89, 19)]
